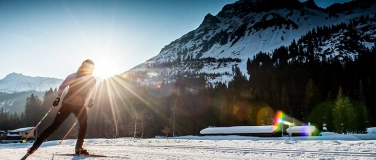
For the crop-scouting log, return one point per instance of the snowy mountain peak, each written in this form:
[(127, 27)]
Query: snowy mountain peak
[(13, 76), (247, 27), (210, 20), (17, 82), (349, 6), (311, 4), (243, 7)]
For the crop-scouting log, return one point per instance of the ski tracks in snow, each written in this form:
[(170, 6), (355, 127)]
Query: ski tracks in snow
[(209, 152), (145, 149), (310, 153)]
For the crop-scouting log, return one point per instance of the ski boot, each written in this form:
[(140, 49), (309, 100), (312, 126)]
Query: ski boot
[(31, 150), (81, 151)]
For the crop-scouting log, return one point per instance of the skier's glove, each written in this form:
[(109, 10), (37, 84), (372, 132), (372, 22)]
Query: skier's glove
[(56, 102), (91, 103)]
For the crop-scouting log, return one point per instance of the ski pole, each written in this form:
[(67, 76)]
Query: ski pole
[(32, 131), (68, 132)]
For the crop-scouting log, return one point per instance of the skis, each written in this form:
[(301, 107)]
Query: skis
[(83, 155), (93, 155), (25, 156)]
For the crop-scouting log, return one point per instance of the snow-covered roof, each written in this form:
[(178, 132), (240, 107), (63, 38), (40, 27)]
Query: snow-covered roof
[(371, 130), (13, 135), (239, 129), (301, 129), (22, 129)]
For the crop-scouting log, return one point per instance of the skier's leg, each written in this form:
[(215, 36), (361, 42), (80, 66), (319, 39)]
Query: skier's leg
[(81, 116), (61, 115)]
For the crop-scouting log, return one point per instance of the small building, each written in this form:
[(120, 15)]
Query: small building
[(20, 133), (3, 135), (261, 131), (302, 130)]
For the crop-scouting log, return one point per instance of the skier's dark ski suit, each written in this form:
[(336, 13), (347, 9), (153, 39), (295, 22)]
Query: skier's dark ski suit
[(81, 93)]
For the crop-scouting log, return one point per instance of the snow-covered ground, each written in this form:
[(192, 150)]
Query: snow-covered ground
[(328, 146)]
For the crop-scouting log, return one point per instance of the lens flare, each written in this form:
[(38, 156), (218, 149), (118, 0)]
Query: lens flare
[(283, 119), (264, 116), (278, 118)]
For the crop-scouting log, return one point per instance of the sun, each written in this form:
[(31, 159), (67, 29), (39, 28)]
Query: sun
[(104, 69)]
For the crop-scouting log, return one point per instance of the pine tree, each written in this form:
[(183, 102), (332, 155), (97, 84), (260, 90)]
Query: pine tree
[(311, 95), (351, 116), (370, 100), (178, 105), (28, 112), (265, 97), (285, 100), (329, 96), (322, 114), (48, 99), (338, 117), (249, 66), (2, 120), (225, 111), (14, 120), (17, 120), (22, 119), (361, 109), (293, 49), (32, 110), (344, 115)]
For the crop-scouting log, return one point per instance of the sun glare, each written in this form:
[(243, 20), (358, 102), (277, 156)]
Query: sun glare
[(104, 69)]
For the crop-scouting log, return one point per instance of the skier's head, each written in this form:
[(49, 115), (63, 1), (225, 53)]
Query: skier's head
[(87, 67), (88, 61)]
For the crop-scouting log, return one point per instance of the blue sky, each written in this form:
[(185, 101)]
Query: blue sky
[(50, 38), (325, 3)]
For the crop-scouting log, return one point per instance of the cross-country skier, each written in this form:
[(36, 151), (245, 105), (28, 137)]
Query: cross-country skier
[(81, 95)]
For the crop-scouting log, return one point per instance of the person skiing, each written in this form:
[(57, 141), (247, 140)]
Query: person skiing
[(81, 93)]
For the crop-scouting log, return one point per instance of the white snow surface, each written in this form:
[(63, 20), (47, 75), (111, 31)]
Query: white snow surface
[(328, 146)]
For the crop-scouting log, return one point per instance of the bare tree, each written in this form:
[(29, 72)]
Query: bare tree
[(179, 103), (135, 118), (114, 130), (139, 116), (142, 118), (166, 130), (174, 120)]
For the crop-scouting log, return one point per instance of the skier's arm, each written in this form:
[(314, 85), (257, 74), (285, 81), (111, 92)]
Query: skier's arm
[(69, 80), (93, 93)]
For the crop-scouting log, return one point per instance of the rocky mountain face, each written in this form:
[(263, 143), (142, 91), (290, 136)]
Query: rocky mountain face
[(247, 27)]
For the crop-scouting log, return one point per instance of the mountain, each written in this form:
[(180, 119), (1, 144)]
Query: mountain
[(247, 27), (15, 88), (16, 82)]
